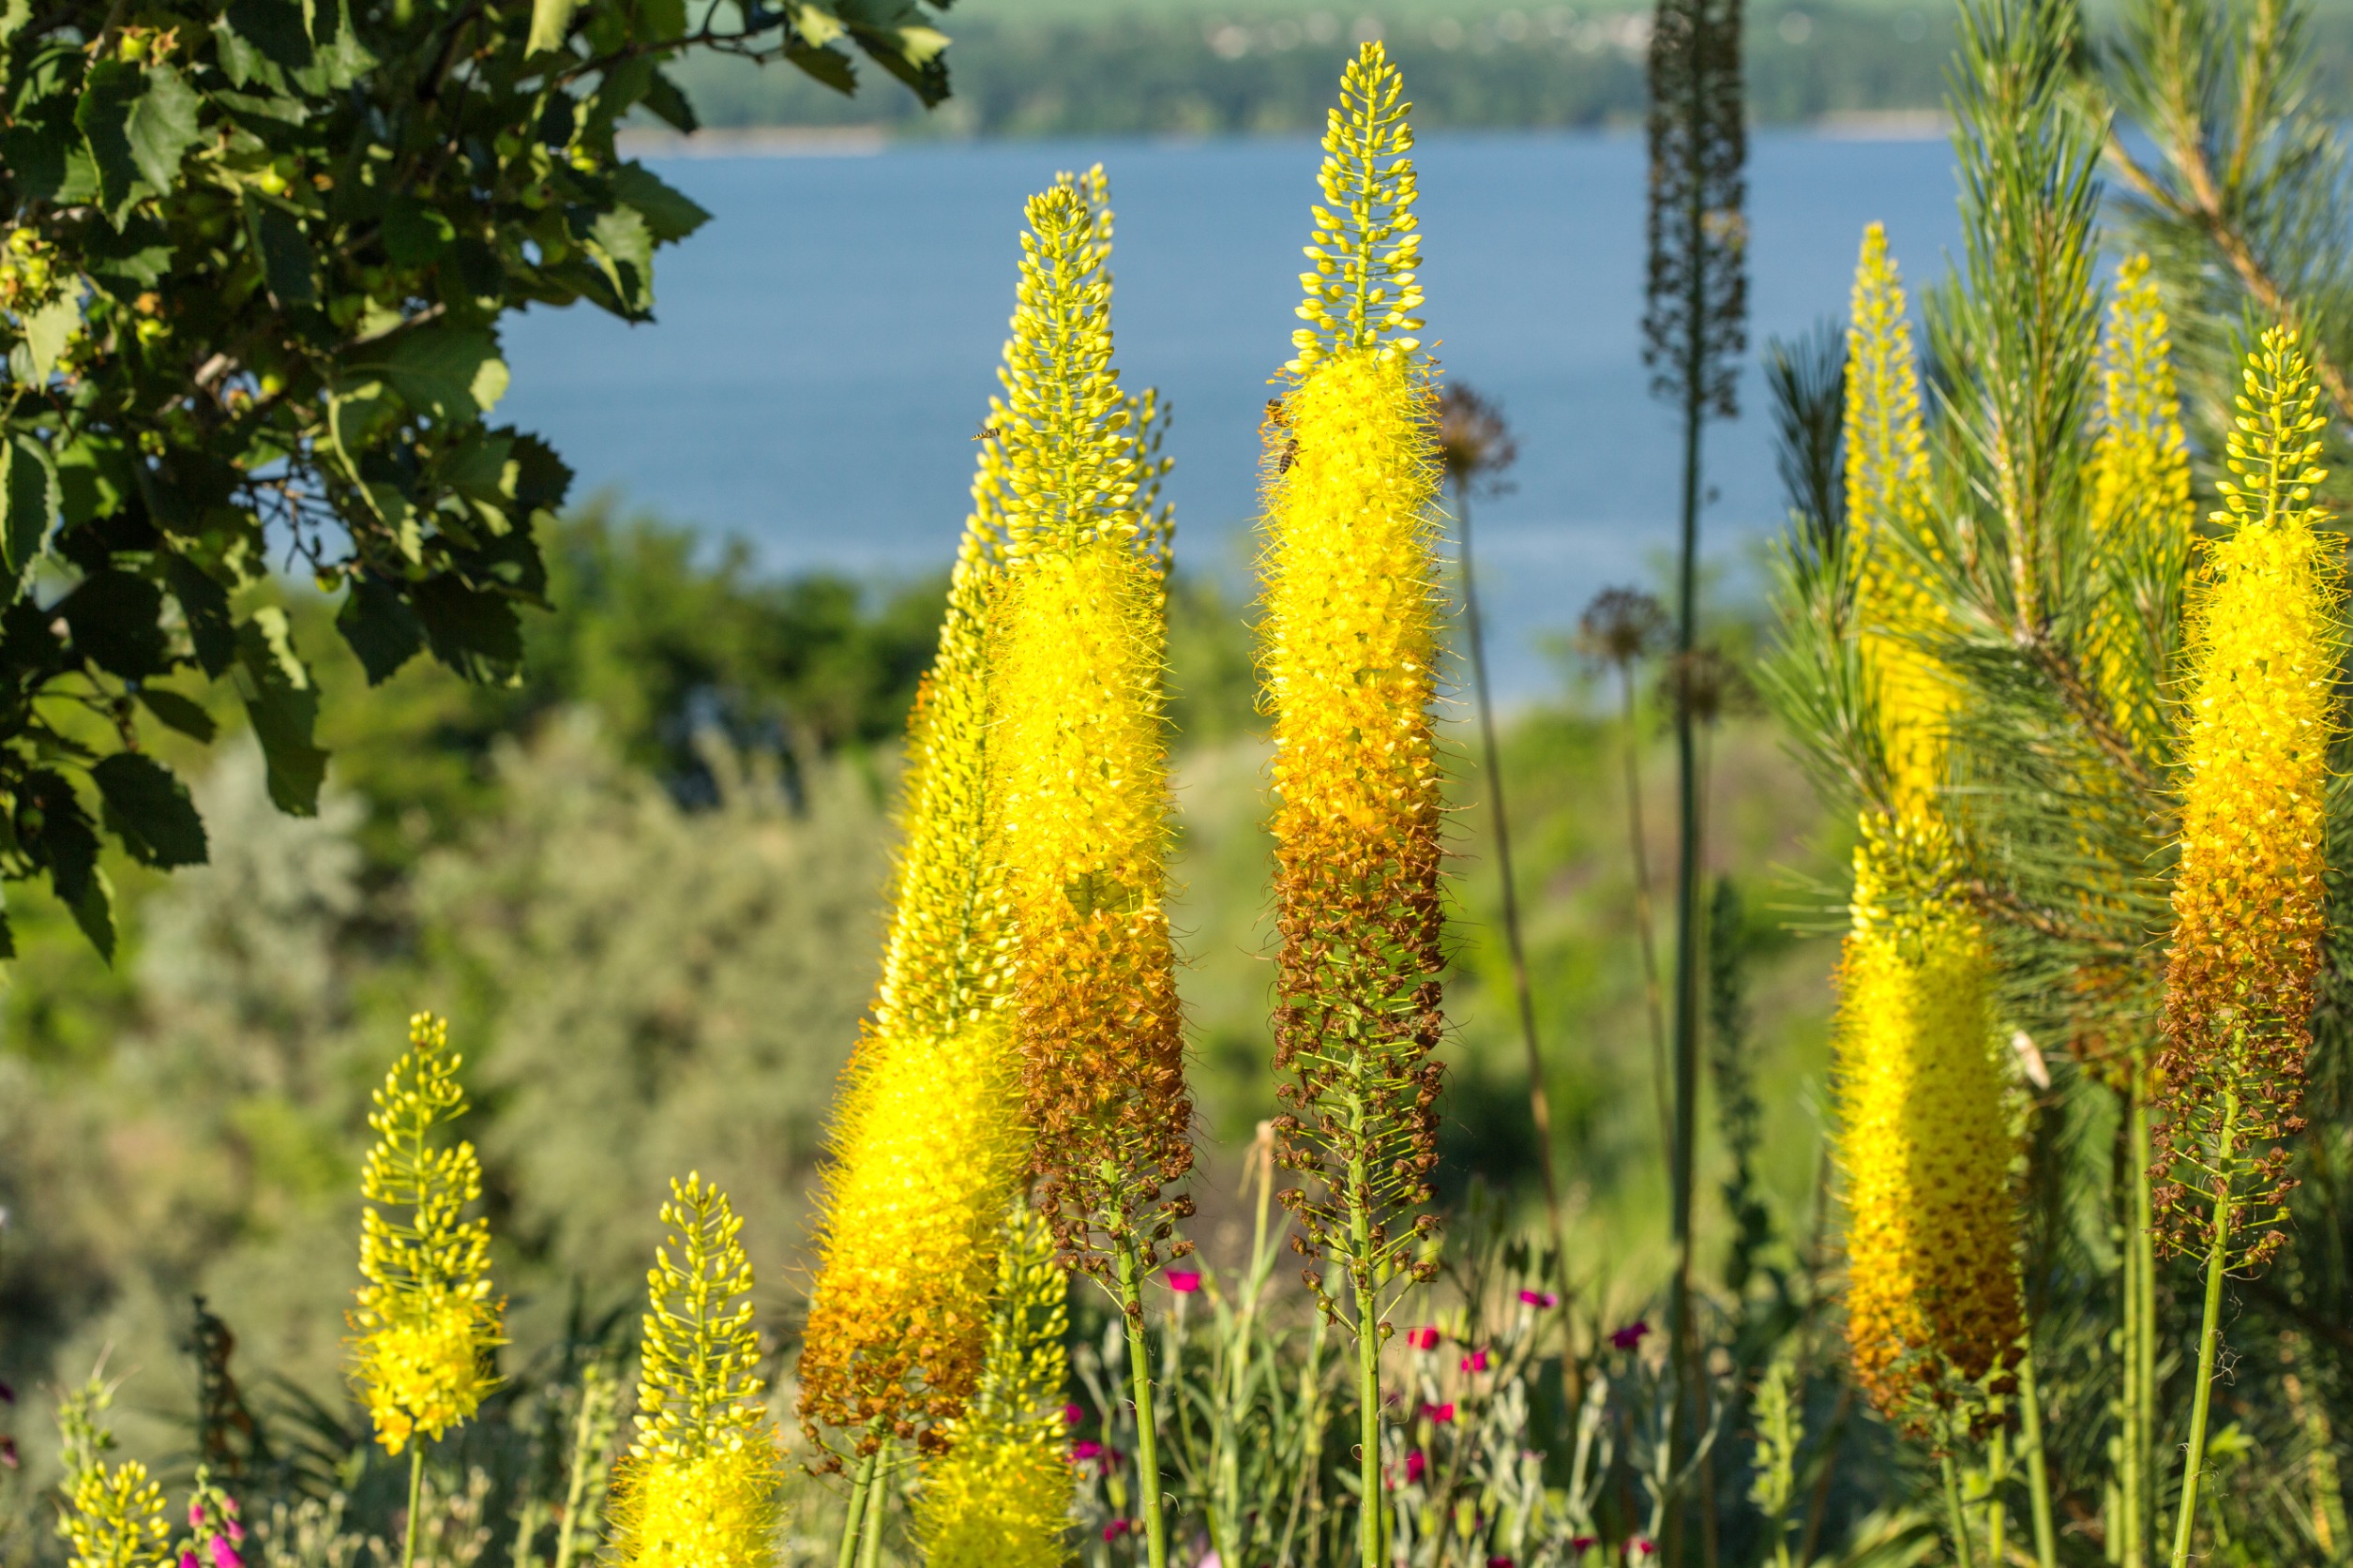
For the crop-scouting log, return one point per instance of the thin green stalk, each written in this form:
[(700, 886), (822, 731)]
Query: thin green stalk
[(876, 1493), (1372, 1517), (848, 1553), (2143, 1253), (1955, 1518), (416, 1494), (1996, 1477), (2038, 1471), (2209, 1333), (595, 1392), (1139, 1379), (1643, 925)]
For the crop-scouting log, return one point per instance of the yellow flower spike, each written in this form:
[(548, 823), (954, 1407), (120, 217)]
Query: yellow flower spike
[(2265, 637), (1348, 651), (425, 1324), (1923, 1138), (1077, 761), (2141, 481), (1001, 1495), (1887, 483), (112, 1515), (700, 1486)]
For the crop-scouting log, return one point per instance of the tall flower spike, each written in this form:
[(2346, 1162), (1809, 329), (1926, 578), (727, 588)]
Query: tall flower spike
[(426, 1322), (1078, 778), (1346, 650), (2140, 490), (1923, 1139), (700, 1486), (999, 1496), (2265, 637), (929, 1139), (1886, 482)]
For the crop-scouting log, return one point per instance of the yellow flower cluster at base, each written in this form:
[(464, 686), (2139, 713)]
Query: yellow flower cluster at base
[(422, 1369), (721, 1509), (1924, 1137)]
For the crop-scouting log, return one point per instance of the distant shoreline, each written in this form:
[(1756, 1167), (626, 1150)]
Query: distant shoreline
[(1874, 125)]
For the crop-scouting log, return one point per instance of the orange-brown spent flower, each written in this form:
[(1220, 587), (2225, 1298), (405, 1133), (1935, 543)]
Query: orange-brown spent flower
[(1349, 645), (2265, 637), (1923, 1138)]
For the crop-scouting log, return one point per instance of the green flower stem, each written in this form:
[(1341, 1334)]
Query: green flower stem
[(416, 1494), (848, 1553), (877, 1489), (1139, 1378), (1996, 1477), (2210, 1332), (1373, 1517), (1955, 1518), (2038, 1471), (2141, 1339)]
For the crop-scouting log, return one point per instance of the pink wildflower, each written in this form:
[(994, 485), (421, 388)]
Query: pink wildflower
[(1417, 1464), (1626, 1339), (1073, 1415), (1423, 1339), (1185, 1281), (1116, 1528), (1442, 1414), (1085, 1449), (1539, 1298), (1475, 1361)]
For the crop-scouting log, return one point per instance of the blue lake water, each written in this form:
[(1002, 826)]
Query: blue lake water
[(826, 347)]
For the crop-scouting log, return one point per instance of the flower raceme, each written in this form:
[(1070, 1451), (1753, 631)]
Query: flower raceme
[(425, 1324), (999, 1496), (1923, 1139), (1349, 645), (701, 1485), (2265, 637), (930, 1140), (1078, 763)]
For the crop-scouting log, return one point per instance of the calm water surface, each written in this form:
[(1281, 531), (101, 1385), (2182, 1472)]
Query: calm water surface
[(826, 347)]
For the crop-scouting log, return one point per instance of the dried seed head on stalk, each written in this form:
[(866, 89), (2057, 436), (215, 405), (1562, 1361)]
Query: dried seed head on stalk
[(1349, 643), (700, 1486), (1621, 627), (1923, 1136), (930, 1140), (2265, 639), (999, 1496), (425, 1324), (1077, 761)]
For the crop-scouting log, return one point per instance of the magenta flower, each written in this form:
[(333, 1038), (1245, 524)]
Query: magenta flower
[(1073, 1415), (1639, 1547), (224, 1555), (1185, 1281), (7, 1452), (188, 1559), (1442, 1414), (1423, 1339), (1475, 1361), (1539, 1298), (1084, 1450), (1582, 1543), (1116, 1528), (1626, 1339), (1499, 1562), (1417, 1464)]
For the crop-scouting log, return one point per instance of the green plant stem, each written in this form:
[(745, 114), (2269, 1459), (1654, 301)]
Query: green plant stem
[(417, 1495), (1996, 1477), (2038, 1465), (2210, 1332), (1955, 1518), (876, 1491), (848, 1553), (1139, 1380), (1372, 1515), (1636, 840), (2143, 1256)]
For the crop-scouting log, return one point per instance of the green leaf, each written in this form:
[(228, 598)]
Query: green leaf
[(35, 155), (453, 373), (138, 124), (204, 606), (115, 620), (184, 714), (623, 244), (47, 330), (666, 103), (56, 832), (669, 214), (550, 21), (282, 700), (475, 634), (94, 911), (148, 808), (380, 627), (414, 231), (285, 252), (275, 28), (28, 492)]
